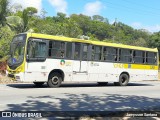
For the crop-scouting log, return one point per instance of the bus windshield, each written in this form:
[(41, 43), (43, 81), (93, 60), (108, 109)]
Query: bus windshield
[(17, 51)]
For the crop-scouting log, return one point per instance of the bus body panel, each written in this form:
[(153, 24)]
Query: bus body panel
[(102, 71), (96, 72), (84, 71)]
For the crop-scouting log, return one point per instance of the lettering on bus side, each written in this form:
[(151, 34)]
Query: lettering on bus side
[(68, 63), (117, 65), (152, 67), (94, 64)]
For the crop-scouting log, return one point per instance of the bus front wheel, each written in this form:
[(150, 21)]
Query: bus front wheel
[(54, 80), (123, 80)]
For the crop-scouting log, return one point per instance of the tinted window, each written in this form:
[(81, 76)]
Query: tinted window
[(151, 58), (138, 56), (69, 50), (125, 55), (77, 51), (85, 52), (110, 54), (96, 53), (56, 49), (36, 49)]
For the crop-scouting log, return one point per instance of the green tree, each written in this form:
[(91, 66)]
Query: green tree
[(3, 11), (6, 36), (15, 23), (43, 13), (71, 29), (100, 18), (27, 16), (140, 42), (99, 29), (82, 21), (61, 17), (31, 11), (155, 40), (97, 18), (14, 9)]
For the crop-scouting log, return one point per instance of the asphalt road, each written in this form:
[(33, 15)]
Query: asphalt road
[(80, 97)]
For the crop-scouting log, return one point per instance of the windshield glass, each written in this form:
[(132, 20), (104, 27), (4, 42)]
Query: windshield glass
[(17, 50)]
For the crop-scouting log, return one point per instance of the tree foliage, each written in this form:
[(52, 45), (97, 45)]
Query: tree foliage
[(15, 23), (155, 40), (96, 27), (3, 11), (6, 36)]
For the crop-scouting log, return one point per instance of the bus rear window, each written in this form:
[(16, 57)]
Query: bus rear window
[(151, 58)]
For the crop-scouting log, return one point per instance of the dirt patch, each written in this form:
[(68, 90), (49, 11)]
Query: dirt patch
[(6, 80)]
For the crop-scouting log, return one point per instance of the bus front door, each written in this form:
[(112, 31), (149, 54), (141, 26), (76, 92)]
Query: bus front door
[(36, 56)]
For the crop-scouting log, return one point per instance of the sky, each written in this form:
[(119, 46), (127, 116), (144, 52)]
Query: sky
[(140, 14)]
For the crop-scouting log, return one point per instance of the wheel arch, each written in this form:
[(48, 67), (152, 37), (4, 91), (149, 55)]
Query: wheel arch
[(57, 71), (126, 74)]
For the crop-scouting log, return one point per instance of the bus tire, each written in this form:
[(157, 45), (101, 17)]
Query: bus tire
[(54, 80), (102, 83), (123, 80), (38, 84)]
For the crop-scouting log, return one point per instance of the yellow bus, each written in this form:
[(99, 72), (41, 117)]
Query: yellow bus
[(41, 58)]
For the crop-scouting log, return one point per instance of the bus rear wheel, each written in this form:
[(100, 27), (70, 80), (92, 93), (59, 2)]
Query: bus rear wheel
[(38, 83), (123, 80), (54, 80)]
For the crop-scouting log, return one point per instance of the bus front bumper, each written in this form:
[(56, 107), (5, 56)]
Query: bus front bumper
[(16, 77)]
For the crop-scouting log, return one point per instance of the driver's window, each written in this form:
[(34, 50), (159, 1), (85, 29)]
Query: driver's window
[(31, 49), (36, 49)]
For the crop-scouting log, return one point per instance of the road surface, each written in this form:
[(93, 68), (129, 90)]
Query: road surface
[(80, 97)]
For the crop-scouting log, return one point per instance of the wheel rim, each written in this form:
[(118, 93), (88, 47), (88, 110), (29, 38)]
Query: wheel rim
[(55, 80), (123, 79)]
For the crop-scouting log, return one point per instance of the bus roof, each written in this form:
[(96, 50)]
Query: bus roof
[(62, 38)]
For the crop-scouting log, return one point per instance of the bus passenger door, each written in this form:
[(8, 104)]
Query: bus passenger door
[(80, 64)]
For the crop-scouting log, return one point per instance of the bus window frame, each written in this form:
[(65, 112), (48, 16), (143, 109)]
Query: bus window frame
[(89, 55), (119, 55), (81, 51), (156, 55), (36, 59), (59, 50), (116, 55)]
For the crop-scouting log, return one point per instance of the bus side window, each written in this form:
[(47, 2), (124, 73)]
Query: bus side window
[(151, 58), (69, 50), (85, 52), (77, 51), (96, 53), (110, 54), (125, 55), (138, 56), (56, 49)]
